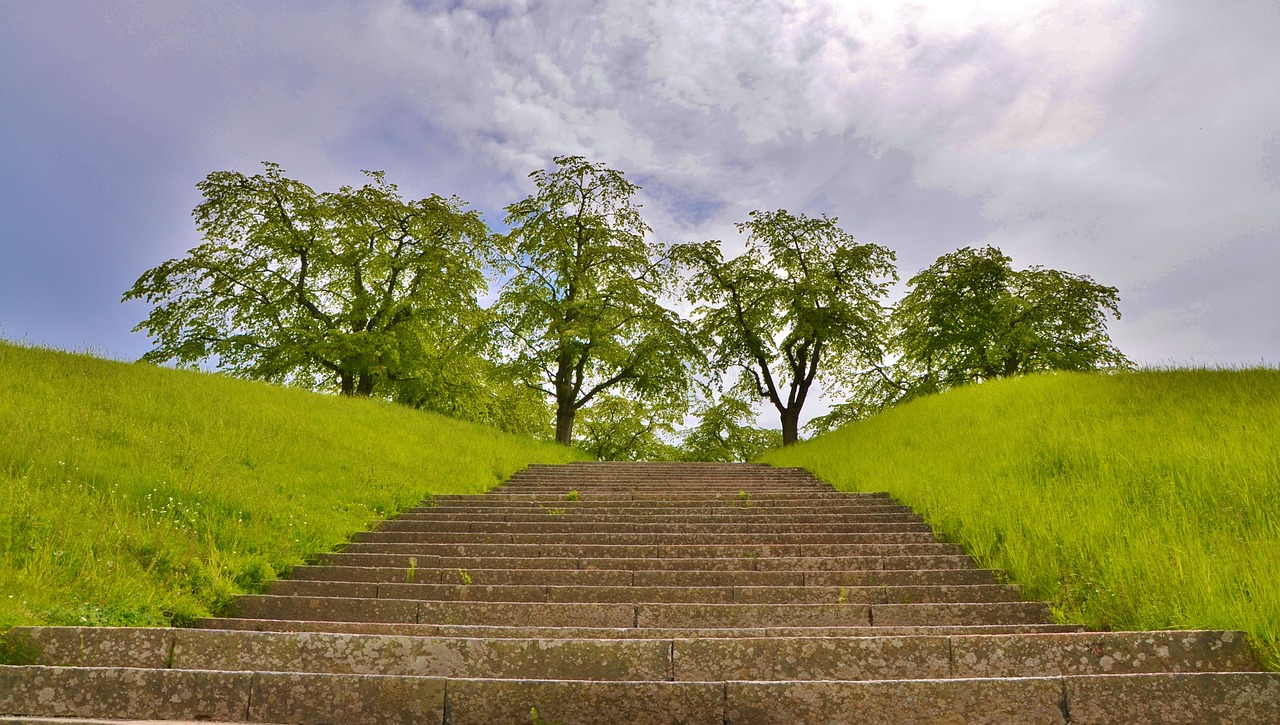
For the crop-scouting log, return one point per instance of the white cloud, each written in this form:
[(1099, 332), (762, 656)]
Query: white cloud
[(1118, 139)]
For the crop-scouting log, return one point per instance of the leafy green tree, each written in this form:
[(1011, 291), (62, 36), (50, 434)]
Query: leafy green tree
[(469, 386), (616, 428), (723, 433), (801, 303), (970, 317), (338, 291), (580, 310)]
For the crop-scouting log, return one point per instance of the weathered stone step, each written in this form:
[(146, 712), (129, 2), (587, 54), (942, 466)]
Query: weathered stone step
[(1249, 698), (558, 525), (263, 697), (689, 474), (590, 508), (705, 479), (662, 499), (455, 592), (520, 480), (734, 516), (734, 489), (680, 659), (870, 562), (24, 720), (204, 649), (556, 614), (528, 632), (625, 577), (667, 473), (658, 551), (645, 539)]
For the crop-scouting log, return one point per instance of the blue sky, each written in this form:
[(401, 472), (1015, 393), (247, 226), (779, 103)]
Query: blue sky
[(1136, 142)]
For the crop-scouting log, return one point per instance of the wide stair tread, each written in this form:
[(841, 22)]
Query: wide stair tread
[(645, 592)]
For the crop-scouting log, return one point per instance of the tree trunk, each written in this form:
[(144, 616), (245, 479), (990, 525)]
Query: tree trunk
[(365, 387), (790, 426), (565, 413), (347, 383)]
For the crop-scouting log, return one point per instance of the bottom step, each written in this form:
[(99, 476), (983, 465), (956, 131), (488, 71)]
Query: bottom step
[(98, 721), (1242, 698)]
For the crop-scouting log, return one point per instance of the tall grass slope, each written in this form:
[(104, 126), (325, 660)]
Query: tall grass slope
[(1144, 500), (132, 494)]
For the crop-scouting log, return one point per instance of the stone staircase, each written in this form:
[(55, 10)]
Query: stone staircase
[(640, 593)]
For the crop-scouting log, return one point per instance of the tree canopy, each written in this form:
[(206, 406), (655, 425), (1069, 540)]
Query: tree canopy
[(802, 301), (723, 433), (344, 290), (363, 292), (970, 317), (617, 428), (580, 310)]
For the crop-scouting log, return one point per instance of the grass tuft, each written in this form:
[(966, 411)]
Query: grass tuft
[(137, 495), (1145, 500)]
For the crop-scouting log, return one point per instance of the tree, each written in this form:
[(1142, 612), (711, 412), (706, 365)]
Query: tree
[(580, 310), (469, 386), (970, 317), (801, 302), (341, 291), (722, 433), (616, 428)]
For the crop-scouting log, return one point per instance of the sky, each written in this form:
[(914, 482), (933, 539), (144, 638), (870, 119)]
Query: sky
[(1135, 142)]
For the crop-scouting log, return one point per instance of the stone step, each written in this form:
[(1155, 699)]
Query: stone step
[(558, 525), (659, 593), (1245, 698), (683, 614), (663, 499), (679, 659), (761, 473), (736, 491), (645, 513), (527, 632), (735, 516), (1145, 699), (631, 577), (870, 562), (657, 551), (707, 594), (643, 539), (266, 697), (706, 478)]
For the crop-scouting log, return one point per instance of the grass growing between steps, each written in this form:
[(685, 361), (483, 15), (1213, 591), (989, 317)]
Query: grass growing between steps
[(1144, 500), (138, 495)]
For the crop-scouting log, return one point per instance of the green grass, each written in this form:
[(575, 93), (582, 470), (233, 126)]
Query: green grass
[(1145, 500), (132, 494)]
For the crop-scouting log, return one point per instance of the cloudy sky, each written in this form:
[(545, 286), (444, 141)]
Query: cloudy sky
[(1136, 142)]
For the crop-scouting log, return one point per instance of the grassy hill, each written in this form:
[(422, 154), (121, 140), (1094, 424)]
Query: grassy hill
[(1134, 501), (132, 494)]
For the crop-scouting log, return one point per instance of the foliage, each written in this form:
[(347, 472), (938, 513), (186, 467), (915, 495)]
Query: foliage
[(1131, 500), (331, 291), (580, 310), (723, 435), (970, 317), (131, 494), (473, 388), (801, 302), (615, 428)]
